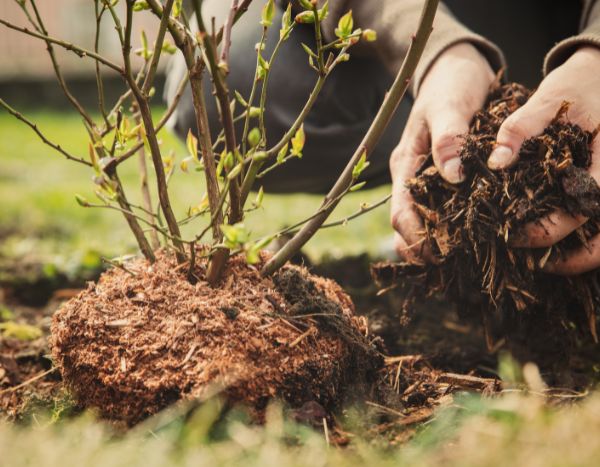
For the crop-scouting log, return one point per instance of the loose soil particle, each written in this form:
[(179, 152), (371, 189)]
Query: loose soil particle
[(133, 343), (469, 227)]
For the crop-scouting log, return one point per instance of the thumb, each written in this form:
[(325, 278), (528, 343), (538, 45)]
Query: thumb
[(527, 122), (447, 131)]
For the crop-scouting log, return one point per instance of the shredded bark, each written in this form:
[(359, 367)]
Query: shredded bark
[(134, 343), (469, 226)]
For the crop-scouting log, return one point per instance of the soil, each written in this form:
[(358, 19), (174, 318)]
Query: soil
[(469, 227), (143, 338)]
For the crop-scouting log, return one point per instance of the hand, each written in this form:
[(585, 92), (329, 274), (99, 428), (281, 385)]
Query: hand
[(454, 88), (577, 81)]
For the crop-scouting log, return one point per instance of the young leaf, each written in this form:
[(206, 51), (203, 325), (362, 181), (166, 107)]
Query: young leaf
[(306, 4), (234, 172), (184, 163), (259, 197), (282, 152), (308, 50), (140, 5), (286, 23), (82, 201), (177, 8), (345, 25), (240, 98), (267, 14), (323, 12), (305, 17), (192, 145), (298, 142), (357, 187), (254, 137), (361, 165), (369, 35)]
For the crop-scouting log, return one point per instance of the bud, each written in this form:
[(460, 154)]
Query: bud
[(369, 35)]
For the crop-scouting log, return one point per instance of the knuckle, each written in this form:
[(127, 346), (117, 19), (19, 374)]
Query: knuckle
[(513, 127), (446, 145)]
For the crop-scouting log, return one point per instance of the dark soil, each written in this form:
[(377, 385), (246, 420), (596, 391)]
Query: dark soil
[(137, 341), (469, 227)]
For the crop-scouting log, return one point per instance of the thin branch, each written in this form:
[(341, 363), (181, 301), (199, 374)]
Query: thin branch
[(380, 123), (46, 141), (160, 38), (227, 33), (65, 45)]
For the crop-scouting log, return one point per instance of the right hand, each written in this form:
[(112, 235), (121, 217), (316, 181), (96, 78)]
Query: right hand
[(455, 87)]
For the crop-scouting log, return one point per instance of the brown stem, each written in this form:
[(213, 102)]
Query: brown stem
[(133, 223), (227, 33), (160, 38), (146, 115), (81, 52), (222, 93), (380, 123), (61, 81), (45, 140)]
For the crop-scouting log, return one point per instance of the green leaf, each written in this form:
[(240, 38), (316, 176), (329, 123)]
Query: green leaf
[(298, 142), (345, 26), (234, 172), (361, 165), (308, 50), (263, 63), (306, 4), (82, 201), (259, 197), (6, 314), (254, 112), (235, 235), (254, 137), (286, 23), (305, 17), (140, 5), (267, 14), (177, 7), (324, 12), (169, 48), (282, 152), (22, 332), (185, 163), (228, 161), (240, 98), (191, 143), (357, 187)]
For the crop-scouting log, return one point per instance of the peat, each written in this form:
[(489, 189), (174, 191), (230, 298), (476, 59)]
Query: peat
[(469, 227), (145, 337)]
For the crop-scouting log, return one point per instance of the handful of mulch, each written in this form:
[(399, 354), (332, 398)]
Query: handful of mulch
[(469, 226)]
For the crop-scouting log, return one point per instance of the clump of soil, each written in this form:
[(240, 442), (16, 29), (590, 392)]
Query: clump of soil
[(469, 226), (144, 337)]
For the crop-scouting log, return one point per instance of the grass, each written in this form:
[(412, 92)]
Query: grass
[(514, 429), (38, 187)]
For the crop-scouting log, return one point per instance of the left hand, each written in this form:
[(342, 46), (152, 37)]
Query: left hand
[(577, 81)]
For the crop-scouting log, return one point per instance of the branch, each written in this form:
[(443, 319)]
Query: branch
[(160, 38), (227, 33), (65, 45), (34, 127), (386, 111)]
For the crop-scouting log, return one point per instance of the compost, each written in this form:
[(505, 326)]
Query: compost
[(469, 227), (145, 336)]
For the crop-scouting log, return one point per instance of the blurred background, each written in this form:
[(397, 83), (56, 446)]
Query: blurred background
[(40, 221)]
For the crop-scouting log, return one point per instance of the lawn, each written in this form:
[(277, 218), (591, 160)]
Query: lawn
[(38, 187)]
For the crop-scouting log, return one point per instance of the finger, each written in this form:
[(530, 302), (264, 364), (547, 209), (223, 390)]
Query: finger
[(404, 163), (404, 251), (447, 131), (526, 122), (547, 231), (581, 260)]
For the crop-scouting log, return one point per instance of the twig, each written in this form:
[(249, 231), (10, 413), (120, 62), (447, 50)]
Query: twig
[(29, 381), (227, 33), (371, 138), (65, 45), (46, 141)]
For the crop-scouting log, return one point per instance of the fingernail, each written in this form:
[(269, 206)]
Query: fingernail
[(500, 157), (452, 170)]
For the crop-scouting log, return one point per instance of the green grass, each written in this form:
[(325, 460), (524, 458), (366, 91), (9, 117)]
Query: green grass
[(37, 189), (514, 429)]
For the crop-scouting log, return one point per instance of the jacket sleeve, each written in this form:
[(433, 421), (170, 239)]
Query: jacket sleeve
[(395, 21), (589, 35)]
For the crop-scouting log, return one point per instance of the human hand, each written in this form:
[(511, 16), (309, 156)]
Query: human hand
[(577, 81), (455, 87)]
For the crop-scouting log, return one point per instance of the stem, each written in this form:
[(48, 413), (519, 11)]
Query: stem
[(227, 33), (81, 52), (160, 38), (61, 81), (222, 92), (257, 163), (380, 123), (146, 115), (45, 140), (99, 82)]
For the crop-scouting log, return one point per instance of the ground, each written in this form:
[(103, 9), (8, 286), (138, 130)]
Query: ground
[(50, 246)]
